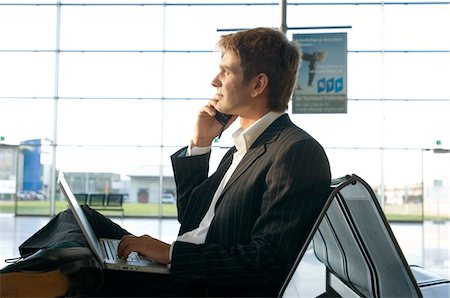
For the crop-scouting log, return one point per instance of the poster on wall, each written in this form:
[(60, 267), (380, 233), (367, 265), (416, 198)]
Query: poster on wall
[(322, 79)]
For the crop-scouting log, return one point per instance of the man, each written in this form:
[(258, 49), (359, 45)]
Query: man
[(242, 227)]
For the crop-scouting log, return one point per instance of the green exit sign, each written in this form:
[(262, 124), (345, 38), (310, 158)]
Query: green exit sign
[(2, 138)]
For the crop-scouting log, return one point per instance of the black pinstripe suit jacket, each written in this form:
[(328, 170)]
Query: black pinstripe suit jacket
[(261, 219)]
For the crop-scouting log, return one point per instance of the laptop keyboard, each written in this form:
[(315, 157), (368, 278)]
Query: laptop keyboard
[(111, 249)]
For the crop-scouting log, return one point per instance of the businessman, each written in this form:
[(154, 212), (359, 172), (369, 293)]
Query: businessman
[(242, 227)]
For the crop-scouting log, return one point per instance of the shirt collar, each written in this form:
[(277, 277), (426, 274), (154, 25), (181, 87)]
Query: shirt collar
[(243, 139)]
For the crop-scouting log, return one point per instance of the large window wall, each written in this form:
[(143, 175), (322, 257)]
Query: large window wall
[(107, 91)]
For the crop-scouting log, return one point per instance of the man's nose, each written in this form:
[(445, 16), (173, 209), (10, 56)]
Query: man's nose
[(216, 82)]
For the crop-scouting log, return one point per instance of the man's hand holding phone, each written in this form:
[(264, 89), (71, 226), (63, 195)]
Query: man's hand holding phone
[(210, 124)]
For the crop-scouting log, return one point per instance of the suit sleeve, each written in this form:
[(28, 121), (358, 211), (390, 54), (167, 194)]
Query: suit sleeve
[(293, 190), (189, 172)]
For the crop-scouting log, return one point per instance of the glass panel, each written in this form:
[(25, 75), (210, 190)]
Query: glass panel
[(417, 75), (110, 122), (402, 175), (436, 243), (179, 117), (365, 22), (104, 1), (359, 128), (25, 157), (119, 27), (409, 124), (138, 136), (34, 177), (343, 1), (124, 161), (209, 2), (403, 190), (28, 2), (195, 27), (417, 27), (365, 76), (309, 277), (132, 171), (170, 2), (365, 163), (28, 27), (8, 176), (25, 119), (190, 75), (112, 75), (169, 193), (437, 185), (27, 74)]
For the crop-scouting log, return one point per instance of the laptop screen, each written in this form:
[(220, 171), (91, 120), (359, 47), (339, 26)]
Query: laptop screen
[(80, 216)]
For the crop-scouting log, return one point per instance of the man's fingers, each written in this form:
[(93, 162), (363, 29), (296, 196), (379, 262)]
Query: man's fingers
[(209, 109), (124, 248)]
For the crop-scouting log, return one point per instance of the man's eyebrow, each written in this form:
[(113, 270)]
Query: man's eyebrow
[(226, 67)]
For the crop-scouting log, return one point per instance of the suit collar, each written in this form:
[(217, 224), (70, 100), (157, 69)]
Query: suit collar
[(243, 139), (273, 131), (259, 147)]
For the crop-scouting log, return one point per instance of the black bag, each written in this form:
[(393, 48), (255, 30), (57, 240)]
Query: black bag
[(60, 244), (68, 261), (59, 231), (63, 228)]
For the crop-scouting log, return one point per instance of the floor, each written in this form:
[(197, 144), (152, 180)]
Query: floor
[(426, 245)]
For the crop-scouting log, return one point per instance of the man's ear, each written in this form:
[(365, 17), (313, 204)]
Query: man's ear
[(260, 84)]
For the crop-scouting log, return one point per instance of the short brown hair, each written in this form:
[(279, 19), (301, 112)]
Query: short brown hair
[(266, 50)]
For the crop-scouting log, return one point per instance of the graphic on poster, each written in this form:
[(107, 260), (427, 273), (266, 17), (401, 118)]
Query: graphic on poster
[(322, 79)]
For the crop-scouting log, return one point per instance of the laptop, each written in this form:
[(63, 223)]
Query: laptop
[(104, 249)]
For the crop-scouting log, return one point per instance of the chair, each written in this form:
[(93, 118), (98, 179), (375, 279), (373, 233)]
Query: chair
[(97, 199), (82, 198), (114, 200), (353, 239)]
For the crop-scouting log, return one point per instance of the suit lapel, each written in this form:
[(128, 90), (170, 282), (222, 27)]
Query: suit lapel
[(258, 148)]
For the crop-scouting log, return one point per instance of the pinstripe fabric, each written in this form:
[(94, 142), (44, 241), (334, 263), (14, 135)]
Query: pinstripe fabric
[(262, 217)]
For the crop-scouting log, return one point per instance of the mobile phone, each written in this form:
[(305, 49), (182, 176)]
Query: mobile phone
[(222, 118)]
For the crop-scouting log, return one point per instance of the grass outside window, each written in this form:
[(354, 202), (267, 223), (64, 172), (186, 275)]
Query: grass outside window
[(406, 212), (130, 209)]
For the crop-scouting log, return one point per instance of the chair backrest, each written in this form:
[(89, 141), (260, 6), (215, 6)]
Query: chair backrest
[(336, 185), (354, 241), (114, 199), (97, 199)]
